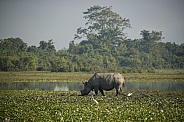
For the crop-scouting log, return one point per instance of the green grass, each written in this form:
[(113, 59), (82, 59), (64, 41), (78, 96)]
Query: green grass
[(160, 75), (43, 76), (67, 106)]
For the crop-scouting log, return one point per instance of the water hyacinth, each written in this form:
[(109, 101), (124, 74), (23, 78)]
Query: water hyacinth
[(68, 106)]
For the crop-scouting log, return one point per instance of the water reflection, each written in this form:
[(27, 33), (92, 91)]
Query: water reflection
[(155, 86), (56, 86), (76, 86), (63, 88)]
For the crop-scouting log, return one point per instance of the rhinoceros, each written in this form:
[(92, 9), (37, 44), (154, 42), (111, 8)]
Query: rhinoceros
[(104, 81)]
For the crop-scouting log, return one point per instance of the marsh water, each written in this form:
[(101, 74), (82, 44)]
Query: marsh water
[(76, 86)]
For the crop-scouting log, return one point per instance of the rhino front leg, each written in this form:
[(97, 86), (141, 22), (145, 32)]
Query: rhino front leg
[(102, 92), (96, 92)]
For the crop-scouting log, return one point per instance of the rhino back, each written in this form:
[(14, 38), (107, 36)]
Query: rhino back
[(103, 80), (119, 78), (110, 78)]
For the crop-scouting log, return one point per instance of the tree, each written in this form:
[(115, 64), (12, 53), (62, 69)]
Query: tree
[(150, 39), (12, 46), (48, 46), (103, 26)]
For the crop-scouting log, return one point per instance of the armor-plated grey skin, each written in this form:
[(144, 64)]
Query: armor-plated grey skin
[(104, 81)]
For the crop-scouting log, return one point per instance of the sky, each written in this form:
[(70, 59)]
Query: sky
[(41, 20)]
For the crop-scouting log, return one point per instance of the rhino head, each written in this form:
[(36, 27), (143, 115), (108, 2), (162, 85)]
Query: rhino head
[(86, 89)]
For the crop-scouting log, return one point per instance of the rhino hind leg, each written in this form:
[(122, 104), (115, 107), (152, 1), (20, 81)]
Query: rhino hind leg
[(118, 90)]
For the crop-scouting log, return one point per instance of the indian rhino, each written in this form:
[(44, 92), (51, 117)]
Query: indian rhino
[(104, 81)]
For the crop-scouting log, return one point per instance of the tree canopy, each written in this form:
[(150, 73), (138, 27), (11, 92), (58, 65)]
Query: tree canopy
[(104, 47), (103, 27)]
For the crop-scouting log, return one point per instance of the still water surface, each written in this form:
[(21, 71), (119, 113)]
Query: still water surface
[(76, 86)]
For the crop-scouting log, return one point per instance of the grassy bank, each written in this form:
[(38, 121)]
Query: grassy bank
[(81, 76), (67, 106)]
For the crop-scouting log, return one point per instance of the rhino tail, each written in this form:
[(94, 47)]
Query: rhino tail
[(123, 84)]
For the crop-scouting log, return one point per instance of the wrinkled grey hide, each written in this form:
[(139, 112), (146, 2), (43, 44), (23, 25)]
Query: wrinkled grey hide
[(104, 81)]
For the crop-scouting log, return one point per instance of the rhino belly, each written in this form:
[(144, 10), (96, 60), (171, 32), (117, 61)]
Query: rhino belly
[(107, 86), (108, 89)]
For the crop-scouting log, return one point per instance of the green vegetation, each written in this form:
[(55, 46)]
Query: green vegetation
[(81, 76), (67, 106), (103, 47), (44, 76)]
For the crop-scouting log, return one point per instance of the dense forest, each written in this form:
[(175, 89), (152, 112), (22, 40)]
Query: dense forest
[(104, 47)]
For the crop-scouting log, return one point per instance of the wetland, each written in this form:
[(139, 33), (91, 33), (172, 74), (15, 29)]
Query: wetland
[(47, 96), (68, 106), (77, 86)]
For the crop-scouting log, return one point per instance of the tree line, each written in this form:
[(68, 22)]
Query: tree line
[(104, 47), (129, 56)]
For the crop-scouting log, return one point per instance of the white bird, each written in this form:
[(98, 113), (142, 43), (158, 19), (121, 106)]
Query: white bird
[(94, 100), (93, 93), (129, 94)]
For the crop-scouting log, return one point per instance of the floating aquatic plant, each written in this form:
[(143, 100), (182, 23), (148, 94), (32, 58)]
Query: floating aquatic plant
[(68, 106)]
